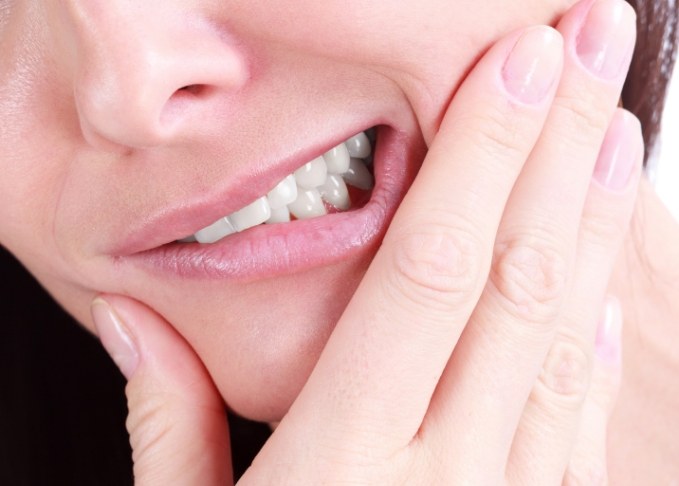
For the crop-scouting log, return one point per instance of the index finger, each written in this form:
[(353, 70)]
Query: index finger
[(386, 355)]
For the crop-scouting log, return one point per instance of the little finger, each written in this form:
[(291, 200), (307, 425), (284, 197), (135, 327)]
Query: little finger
[(588, 463)]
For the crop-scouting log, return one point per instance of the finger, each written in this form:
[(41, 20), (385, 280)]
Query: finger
[(604, 224), (588, 464), (176, 420), (382, 362), (511, 329), (568, 410)]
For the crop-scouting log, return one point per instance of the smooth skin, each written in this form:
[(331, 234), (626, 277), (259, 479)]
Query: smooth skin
[(95, 142), (466, 354)]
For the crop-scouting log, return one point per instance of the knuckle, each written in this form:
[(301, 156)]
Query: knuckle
[(565, 375), (603, 229), (495, 131), (436, 268), (582, 114), (530, 277), (605, 386), (147, 424), (498, 141), (502, 138), (592, 474)]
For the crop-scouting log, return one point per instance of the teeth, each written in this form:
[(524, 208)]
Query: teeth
[(337, 159), (312, 174), (251, 215), (334, 190), (279, 215), (358, 146), (307, 205), (216, 231), (283, 194), (358, 175), (301, 194)]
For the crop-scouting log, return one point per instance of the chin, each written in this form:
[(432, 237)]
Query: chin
[(260, 360), (269, 383)]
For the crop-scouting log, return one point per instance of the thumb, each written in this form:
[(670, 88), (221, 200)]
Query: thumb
[(176, 419)]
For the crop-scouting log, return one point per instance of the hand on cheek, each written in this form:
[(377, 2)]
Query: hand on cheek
[(467, 352), (177, 423)]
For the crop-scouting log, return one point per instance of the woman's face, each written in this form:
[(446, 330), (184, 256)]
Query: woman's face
[(129, 125)]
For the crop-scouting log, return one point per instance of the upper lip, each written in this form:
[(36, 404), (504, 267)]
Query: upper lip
[(184, 218)]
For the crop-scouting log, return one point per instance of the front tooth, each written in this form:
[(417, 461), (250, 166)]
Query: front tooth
[(358, 146), (283, 194), (216, 231), (312, 174), (335, 192), (307, 205), (358, 175), (279, 215), (337, 159), (251, 215)]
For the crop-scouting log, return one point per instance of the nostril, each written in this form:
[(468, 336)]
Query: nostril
[(193, 89), (182, 102)]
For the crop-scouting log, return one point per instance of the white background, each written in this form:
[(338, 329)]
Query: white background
[(665, 170)]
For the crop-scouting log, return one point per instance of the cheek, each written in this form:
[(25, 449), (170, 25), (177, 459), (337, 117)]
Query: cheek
[(429, 67), (35, 149), (433, 66), (35, 166)]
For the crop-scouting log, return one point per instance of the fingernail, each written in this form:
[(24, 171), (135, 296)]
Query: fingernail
[(533, 65), (115, 337), (609, 332), (606, 40), (619, 152)]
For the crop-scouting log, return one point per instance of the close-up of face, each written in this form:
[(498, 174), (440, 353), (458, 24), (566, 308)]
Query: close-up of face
[(129, 126)]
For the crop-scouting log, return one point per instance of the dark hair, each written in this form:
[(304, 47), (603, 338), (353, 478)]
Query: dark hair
[(62, 407), (654, 57)]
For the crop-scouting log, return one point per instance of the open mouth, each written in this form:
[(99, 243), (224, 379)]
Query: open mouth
[(339, 212), (334, 182)]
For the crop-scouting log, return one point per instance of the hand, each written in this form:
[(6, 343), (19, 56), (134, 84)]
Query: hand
[(467, 352)]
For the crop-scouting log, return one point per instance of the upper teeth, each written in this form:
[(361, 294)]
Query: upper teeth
[(302, 193)]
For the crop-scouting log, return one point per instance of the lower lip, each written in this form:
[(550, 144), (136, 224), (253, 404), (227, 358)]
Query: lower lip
[(280, 249)]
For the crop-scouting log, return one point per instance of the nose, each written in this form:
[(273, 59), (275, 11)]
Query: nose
[(145, 77)]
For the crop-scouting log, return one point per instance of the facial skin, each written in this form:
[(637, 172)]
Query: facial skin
[(97, 137)]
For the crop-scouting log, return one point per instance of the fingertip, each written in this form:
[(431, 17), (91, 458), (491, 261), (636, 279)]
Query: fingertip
[(154, 346), (534, 64), (608, 342), (115, 337), (621, 153)]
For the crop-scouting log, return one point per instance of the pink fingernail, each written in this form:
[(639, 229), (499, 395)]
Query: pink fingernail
[(619, 152), (609, 333), (532, 67), (115, 337), (606, 40)]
